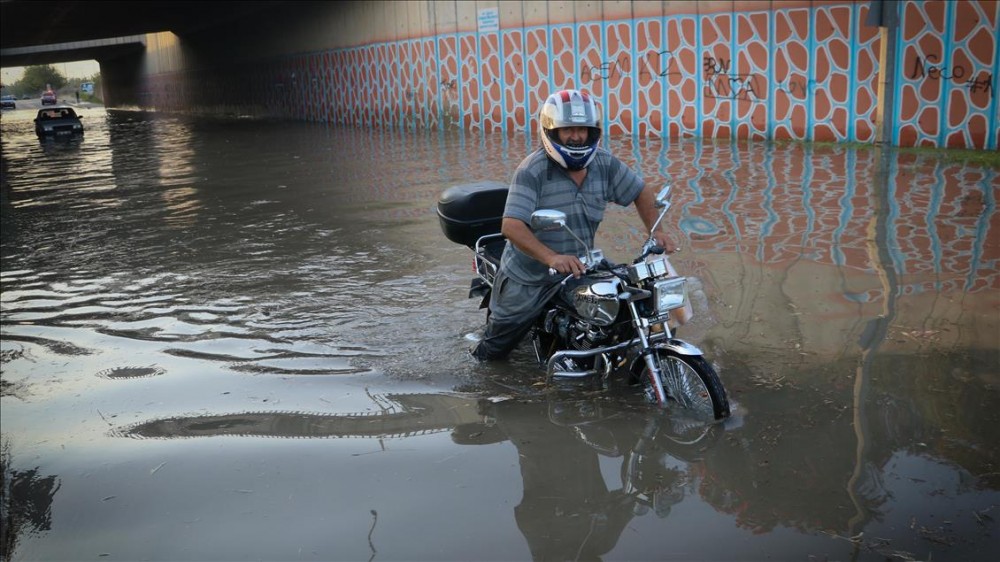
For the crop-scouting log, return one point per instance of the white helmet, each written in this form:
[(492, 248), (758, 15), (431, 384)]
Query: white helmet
[(569, 108)]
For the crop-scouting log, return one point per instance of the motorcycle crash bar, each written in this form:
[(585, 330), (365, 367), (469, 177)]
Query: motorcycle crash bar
[(679, 346)]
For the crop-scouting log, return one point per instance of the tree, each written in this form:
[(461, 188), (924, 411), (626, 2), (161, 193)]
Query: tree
[(38, 78)]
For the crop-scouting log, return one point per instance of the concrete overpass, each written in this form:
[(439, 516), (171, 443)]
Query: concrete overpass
[(114, 33), (34, 24)]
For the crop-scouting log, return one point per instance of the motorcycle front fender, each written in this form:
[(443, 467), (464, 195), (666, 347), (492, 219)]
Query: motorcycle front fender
[(680, 347)]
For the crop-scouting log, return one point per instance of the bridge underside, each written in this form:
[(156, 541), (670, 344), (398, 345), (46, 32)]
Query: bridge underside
[(32, 23), (112, 33)]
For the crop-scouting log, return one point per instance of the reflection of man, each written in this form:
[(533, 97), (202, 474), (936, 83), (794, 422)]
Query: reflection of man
[(26, 503), (566, 511)]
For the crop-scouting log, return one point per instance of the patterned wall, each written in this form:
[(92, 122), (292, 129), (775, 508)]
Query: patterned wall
[(947, 83), (808, 71)]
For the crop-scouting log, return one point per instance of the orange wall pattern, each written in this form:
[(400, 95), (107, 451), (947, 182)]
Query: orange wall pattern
[(947, 80), (808, 71)]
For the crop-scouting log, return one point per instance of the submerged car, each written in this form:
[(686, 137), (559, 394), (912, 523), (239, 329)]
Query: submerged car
[(58, 122), (48, 97), (8, 102)]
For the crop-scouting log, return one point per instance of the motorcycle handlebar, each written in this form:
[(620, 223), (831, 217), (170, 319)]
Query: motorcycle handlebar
[(604, 264)]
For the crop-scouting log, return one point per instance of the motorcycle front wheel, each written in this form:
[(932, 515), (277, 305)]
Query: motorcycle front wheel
[(689, 382)]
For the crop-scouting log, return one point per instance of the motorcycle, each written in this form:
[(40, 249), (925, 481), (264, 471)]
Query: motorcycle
[(615, 319)]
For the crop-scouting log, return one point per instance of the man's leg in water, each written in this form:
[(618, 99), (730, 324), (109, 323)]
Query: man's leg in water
[(513, 307)]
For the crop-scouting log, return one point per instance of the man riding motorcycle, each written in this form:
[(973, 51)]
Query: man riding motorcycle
[(570, 173)]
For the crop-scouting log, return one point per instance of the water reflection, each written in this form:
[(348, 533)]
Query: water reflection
[(241, 280), (395, 416), (25, 502), (568, 511)]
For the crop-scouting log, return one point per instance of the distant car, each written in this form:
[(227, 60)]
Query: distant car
[(48, 98), (8, 102), (58, 122)]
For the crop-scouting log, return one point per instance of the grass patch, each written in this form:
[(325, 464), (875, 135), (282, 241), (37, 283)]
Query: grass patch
[(984, 158)]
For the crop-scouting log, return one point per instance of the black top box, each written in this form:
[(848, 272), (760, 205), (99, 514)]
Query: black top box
[(470, 211)]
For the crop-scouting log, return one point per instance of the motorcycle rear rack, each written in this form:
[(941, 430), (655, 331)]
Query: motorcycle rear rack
[(486, 265)]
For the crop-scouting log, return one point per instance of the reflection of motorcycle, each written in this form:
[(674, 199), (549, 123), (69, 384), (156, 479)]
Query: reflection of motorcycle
[(568, 510), (645, 480), (614, 318)]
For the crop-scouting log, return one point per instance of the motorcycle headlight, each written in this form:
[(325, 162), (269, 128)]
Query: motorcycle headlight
[(670, 294)]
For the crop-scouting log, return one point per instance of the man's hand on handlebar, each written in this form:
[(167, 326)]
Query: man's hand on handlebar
[(567, 265), (663, 241)]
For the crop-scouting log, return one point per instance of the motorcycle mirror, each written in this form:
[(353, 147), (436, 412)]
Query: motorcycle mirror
[(547, 219), (663, 197)]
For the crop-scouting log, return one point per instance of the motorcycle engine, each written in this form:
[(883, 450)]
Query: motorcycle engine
[(576, 334)]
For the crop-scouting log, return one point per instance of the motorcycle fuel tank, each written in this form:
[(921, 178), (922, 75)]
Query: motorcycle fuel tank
[(596, 299)]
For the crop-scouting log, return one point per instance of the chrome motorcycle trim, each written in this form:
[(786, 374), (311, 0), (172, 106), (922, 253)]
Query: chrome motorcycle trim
[(548, 219), (638, 272), (596, 299), (669, 294), (681, 347), (585, 353), (485, 269)]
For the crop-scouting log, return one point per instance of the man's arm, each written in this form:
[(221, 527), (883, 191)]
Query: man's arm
[(645, 204), (521, 236)]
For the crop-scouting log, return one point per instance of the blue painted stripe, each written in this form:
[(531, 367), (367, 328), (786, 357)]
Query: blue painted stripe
[(501, 74), (634, 72), (946, 84), (664, 86), (527, 90), (993, 122), (604, 56), (772, 27), (852, 88), (459, 84), (438, 86), (548, 46), (811, 78), (895, 112), (734, 50), (479, 71), (699, 97)]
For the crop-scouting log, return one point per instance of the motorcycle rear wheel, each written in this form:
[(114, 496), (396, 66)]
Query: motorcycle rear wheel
[(690, 382)]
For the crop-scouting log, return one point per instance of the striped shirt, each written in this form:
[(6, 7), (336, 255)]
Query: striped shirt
[(539, 183)]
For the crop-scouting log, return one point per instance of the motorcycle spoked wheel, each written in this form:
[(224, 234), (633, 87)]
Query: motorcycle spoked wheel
[(689, 381)]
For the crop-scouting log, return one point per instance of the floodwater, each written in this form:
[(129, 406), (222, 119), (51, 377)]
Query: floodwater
[(228, 339)]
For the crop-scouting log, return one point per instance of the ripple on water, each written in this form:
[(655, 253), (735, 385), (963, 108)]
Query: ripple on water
[(131, 372)]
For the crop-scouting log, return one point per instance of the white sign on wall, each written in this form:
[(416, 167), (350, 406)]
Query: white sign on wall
[(489, 20)]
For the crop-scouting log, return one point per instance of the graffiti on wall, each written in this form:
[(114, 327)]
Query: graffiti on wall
[(927, 68), (719, 78)]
